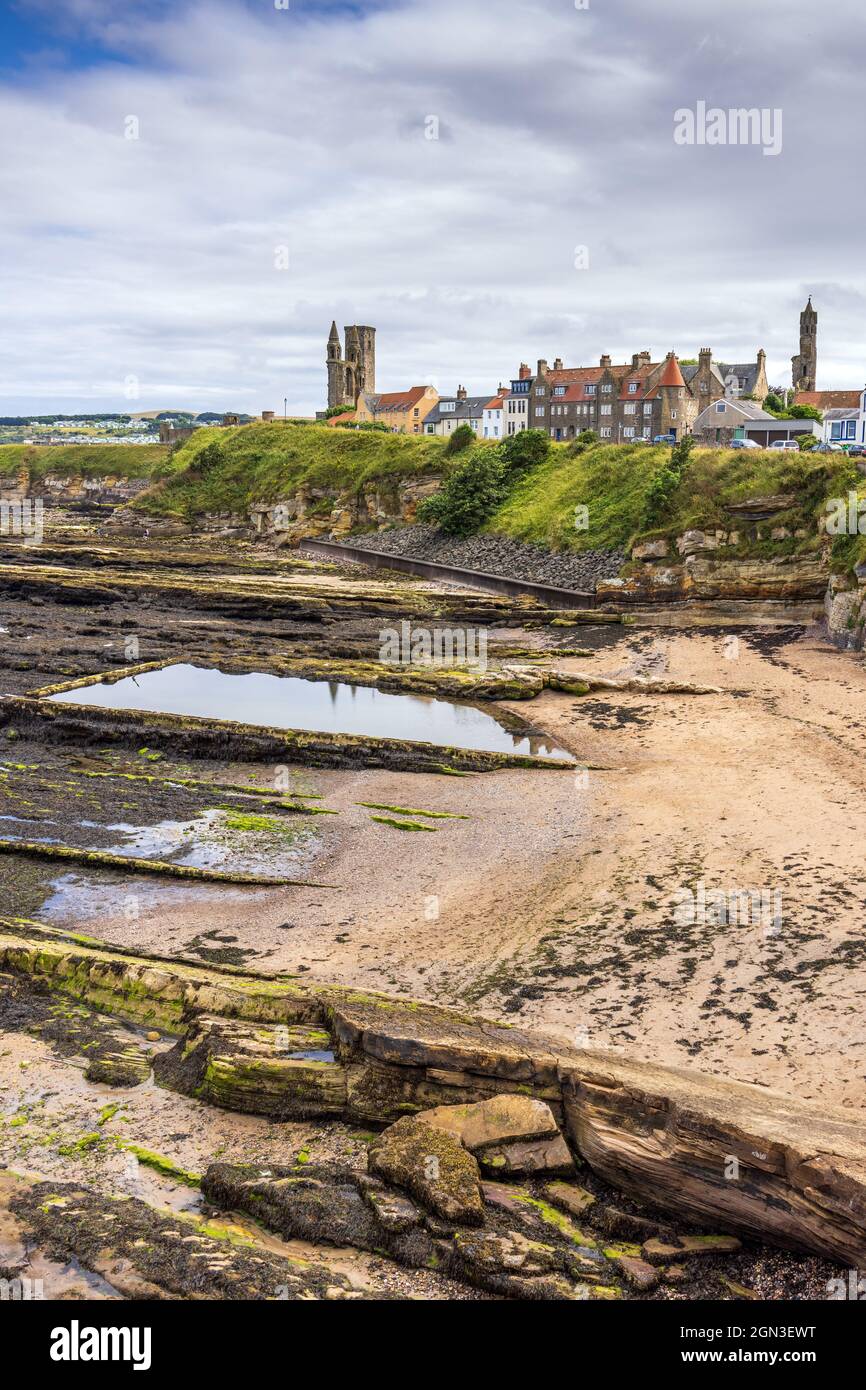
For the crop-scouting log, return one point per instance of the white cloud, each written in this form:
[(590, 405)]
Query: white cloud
[(305, 128)]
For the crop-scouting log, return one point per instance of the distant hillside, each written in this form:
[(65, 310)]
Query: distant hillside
[(84, 460)]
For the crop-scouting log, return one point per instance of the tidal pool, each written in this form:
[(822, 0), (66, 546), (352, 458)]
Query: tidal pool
[(330, 707)]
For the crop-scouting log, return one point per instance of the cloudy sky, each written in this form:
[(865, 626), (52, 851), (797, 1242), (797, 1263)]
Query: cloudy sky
[(194, 189)]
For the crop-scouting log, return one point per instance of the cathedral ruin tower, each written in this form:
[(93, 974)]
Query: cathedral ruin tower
[(351, 375), (804, 367)]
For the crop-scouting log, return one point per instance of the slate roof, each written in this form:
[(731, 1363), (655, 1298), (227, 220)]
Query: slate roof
[(471, 408), (746, 372)]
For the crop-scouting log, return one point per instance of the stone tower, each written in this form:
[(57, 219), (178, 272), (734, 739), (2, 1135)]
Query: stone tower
[(351, 375), (673, 392), (804, 367)]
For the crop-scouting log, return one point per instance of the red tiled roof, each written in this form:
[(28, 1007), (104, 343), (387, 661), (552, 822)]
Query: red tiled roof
[(495, 403), (828, 400), (398, 400), (671, 376)]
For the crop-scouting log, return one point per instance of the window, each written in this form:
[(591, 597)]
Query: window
[(539, 411), (850, 429), (648, 410), (673, 414), (632, 388), (836, 429), (646, 432), (539, 390), (628, 408), (629, 431), (606, 409), (605, 432), (590, 389), (606, 388), (720, 407), (559, 390), (447, 405)]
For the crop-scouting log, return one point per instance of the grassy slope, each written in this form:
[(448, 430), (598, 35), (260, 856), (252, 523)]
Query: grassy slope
[(84, 460), (612, 481), (270, 462)]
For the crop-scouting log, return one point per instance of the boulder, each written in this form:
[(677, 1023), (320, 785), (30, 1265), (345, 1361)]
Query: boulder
[(433, 1166), (509, 1135), (570, 1197), (650, 550)]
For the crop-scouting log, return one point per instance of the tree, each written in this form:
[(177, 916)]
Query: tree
[(462, 438)]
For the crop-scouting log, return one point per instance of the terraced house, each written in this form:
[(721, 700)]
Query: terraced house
[(633, 400), (621, 402), (452, 411)]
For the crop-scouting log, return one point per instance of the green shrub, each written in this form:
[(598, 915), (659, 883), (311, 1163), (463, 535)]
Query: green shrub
[(462, 438), (482, 482), (666, 480)]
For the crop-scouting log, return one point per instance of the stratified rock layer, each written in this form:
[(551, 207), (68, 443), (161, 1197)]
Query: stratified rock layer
[(665, 1134)]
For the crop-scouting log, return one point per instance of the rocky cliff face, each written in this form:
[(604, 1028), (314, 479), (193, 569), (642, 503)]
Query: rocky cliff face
[(313, 512), (845, 610)]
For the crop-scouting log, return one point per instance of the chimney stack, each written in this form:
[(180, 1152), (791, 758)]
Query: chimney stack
[(525, 371), (604, 360), (461, 393)]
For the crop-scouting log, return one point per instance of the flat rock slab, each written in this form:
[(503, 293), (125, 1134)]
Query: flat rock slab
[(498, 1121), (570, 1197), (432, 1165), (527, 1157), (686, 1247)]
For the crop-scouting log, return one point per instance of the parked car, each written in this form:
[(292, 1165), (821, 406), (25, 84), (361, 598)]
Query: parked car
[(828, 448), (855, 451), (785, 444), (745, 444), (664, 439)]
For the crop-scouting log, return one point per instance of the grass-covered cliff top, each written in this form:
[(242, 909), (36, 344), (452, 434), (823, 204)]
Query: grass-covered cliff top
[(613, 482), (225, 470), (83, 460)]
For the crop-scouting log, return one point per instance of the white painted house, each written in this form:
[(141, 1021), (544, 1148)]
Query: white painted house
[(846, 425), (494, 416)]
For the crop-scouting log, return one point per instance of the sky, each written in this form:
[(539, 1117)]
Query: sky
[(194, 189)]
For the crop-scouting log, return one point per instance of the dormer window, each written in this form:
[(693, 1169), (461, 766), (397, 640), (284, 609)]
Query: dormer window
[(632, 388), (590, 390), (607, 388)]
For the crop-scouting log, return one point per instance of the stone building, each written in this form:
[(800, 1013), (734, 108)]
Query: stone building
[(622, 402), (746, 380), (804, 367), (354, 373)]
